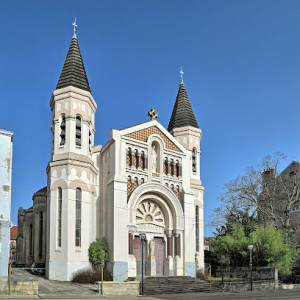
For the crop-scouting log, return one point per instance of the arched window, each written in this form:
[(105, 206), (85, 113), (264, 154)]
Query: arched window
[(136, 159), (128, 157), (62, 130), (194, 160), (197, 227), (78, 218), (90, 140), (41, 234), (59, 214), (177, 169), (166, 166), (129, 185), (142, 161), (177, 192), (136, 182), (78, 131)]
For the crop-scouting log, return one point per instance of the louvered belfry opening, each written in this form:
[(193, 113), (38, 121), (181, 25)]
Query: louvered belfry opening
[(73, 72), (182, 114)]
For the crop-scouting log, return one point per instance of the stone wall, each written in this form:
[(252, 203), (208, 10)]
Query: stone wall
[(19, 287), (258, 273), (242, 286), (120, 288)]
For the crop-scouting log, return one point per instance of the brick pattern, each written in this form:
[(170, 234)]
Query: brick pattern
[(128, 158), (129, 185), (135, 160), (177, 193), (143, 135), (142, 163), (165, 167), (136, 182)]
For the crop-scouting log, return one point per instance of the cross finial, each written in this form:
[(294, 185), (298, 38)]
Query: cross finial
[(181, 74), (75, 25)]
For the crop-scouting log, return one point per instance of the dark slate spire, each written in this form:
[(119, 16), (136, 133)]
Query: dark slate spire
[(73, 72), (182, 114)]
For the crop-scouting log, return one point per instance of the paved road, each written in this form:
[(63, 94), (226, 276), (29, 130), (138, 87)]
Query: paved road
[(262, 295)]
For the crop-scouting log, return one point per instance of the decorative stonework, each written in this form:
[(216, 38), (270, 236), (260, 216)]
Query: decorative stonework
[(143, 135), (149, 211)]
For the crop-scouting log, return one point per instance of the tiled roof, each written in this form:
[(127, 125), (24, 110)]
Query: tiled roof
[(182, 114), (13, 232), (73, 72), (44, 189)]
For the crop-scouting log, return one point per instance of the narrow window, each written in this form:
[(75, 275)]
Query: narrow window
[(197, 227), (129, 185), (62, 130), (194, 160), (59, 213), (41, 235), (78, 218), (90, 140), (31, 240), (78, 131)]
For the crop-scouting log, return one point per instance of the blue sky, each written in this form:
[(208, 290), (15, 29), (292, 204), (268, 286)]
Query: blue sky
[(241, 64)]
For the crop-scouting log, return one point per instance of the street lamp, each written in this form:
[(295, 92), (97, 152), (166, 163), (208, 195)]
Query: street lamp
[(250, 247), (142, 237)]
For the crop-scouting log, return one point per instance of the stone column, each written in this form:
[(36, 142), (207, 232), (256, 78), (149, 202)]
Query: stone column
[(180, 170), (132, 158), (168, 168), (138, 163), (146, 161), (169, 261), (178, 265)]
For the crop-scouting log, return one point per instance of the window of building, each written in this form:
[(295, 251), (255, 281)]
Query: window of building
[(78, 131), (59, 214), (90, 140), (62, 130), (41, 235), (197, 227), (194, 160), (30, 240), (78, 218)]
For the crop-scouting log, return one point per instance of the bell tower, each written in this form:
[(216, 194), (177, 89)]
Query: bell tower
[(184, 127), (72, 172)]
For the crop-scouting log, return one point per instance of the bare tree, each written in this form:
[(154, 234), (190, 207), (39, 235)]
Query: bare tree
[(271, 193)]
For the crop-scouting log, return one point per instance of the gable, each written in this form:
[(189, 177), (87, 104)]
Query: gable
[(142, 135)]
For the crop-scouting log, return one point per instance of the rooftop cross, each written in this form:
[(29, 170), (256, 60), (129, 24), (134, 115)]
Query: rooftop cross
[(75, 25), (181, 74)]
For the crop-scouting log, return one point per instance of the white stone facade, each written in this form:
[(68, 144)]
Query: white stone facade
[(126, 190)]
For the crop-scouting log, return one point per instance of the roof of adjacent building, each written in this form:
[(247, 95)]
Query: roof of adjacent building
[(182, 114), (13, 232), (73, 72)]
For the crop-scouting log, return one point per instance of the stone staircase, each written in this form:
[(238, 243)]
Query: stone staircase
[(174, 285)]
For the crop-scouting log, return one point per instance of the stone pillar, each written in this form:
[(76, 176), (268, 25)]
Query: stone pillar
[(168, 168), (169, 261), (180, 170), (178, 265), (146, 161), (132, 158), (138, 163)]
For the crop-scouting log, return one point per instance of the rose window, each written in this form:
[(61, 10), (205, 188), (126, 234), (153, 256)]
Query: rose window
[(149, 211)]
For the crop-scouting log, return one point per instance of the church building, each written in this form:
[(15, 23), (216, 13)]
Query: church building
[(144, 182)]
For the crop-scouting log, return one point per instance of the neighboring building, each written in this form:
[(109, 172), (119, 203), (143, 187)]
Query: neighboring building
[(6, 140), (31, 240), (144, 180), (13, 244), (280, 199)]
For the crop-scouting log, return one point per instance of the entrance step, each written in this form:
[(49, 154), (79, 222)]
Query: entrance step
[(174, 285)]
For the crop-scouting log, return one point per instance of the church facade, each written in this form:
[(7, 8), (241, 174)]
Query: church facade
[(145, 181)]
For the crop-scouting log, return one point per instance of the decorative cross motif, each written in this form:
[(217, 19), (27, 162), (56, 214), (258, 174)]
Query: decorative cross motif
[(152, 114), (75, 25), (181, 74)]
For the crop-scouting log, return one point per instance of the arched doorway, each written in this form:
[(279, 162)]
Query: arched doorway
[(156, 212)]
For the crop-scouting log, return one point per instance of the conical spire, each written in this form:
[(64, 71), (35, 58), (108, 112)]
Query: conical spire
[(73, 72), (182, 114)]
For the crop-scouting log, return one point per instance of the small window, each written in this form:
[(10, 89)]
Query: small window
[(62, 130), (194, 160), (41, 235), (90, 140), (78, 218), (78, 131), (59, 215)]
